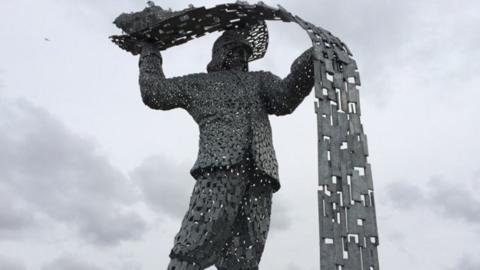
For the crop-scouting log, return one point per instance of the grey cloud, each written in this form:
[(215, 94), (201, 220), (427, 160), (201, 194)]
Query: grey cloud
[(455, 201), (292, 266), (466, 263), (396, 236), (68, 262), (11, 264), (448, 199), (109, 228), (1, 80), (15, 214), (130, 265), (404, 195), (281, 214), (165, 186), (476, 182), (49, 171)]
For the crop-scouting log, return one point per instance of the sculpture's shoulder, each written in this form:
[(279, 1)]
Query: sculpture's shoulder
[(259, 72), (210, 78), (265, 79), (263, 75), (192, 77), (218, 78)]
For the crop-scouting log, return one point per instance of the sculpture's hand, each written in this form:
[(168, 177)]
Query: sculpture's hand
[(148, 47), (132, 44)]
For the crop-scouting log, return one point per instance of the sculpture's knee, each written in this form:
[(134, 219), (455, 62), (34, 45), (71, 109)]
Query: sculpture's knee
[(209, 220)]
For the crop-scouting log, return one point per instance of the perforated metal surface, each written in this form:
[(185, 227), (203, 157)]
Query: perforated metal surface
[(230, 107), (228, 219), (193, 23)]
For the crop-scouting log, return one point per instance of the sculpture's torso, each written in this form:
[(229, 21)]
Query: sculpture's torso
[(231, 109), (233, 121)]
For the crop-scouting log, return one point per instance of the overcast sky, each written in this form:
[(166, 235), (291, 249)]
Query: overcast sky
[(91, 179)]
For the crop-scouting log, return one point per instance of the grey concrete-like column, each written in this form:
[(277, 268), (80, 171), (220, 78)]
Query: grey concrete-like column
[(348, 228)]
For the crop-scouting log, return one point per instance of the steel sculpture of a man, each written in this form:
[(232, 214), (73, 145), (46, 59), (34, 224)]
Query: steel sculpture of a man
[(236, 172)]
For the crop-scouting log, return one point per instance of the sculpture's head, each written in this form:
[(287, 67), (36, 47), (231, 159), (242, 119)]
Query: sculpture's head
[(230, 52), (236, 47)]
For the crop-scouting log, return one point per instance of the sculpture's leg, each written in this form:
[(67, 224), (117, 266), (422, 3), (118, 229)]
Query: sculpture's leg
[(176, 264), (244, 249), (207, 225)]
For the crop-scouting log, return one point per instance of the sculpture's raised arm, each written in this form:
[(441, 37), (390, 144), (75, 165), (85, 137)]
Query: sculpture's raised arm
[(157, 91), (281, 97)]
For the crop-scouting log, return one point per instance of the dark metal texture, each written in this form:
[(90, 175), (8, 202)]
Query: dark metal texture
[(227, 222), (167, 30), (231, 108)]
